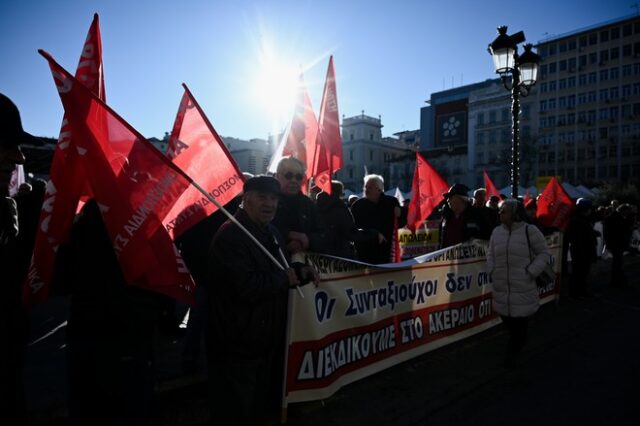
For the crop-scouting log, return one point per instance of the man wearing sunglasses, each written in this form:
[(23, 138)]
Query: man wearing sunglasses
[(297, 217)]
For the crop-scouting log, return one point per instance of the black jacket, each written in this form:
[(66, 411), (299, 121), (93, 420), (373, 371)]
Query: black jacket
[(298, 213), (248, 292), (475, 225), (583, 239)]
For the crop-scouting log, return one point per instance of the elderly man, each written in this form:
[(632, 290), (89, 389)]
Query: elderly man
[(248, 299), (379, 212), (13, 323), (460, 221), (297, 217)]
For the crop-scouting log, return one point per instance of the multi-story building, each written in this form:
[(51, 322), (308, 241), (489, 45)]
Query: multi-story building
[(364, 148), (444, 131), (251, 156), (490, 137), (587, 117)]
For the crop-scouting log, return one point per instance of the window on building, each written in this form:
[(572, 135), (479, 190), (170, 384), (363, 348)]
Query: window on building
[(571, 101), (636, 68), (552, 121), (626, 90), (582, 80), (370, 136), (571, 63), (552, 49), (593, 78), (562, 84), (626, 111), (604, 75), (626, 50), (492, 117), (604, 36), (582, 98), (552, 103), (552, 86), (543, 87), (370, 155), (626, 70), (604, 56), (613, 112), (571, 45), (582, 116), (562, 102), (604, 114), (553, 67), (614, 53), (582, 41), (593, 39), (350, 173), (571, 119), (614, 93), (562, 47), (615, 33), (593, 58), (351, 155), (591, 96), (591, 115), (603, 132), (480, 138), (543, 70), (571, 82), (626, 30), (636, 89), (582, 60), (636, 49), (562, 65), (614, 73), (351, 136), (604, 94)]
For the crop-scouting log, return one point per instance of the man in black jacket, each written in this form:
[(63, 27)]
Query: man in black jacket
[(460, 220), (248, 296)]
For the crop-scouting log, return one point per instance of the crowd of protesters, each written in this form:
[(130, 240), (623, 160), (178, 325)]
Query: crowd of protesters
[(241, 299)]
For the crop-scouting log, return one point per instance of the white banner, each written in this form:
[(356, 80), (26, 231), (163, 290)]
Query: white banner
[(365, 318)]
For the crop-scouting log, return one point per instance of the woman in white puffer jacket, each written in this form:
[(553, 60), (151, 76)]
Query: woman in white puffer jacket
[(513, 271)]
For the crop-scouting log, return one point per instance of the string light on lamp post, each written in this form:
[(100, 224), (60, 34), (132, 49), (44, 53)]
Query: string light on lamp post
[(523, 70)]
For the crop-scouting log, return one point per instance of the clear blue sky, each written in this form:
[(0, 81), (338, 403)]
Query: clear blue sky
[(389, 55)]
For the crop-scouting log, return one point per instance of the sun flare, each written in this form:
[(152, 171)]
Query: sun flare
[(275, 86)]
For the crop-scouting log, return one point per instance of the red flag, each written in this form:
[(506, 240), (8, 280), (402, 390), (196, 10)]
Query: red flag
[(66, 179), (526, 197), (489, 186), (329, 143), (134, 184), (196, 148), (426, 192), (304, 127), (554, 206)]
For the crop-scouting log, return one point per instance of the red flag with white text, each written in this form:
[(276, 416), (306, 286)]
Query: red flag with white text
[(554, 206), (426, 192), (489, 186), (67, 179), (197, 149), (135, 186), (329, 143)]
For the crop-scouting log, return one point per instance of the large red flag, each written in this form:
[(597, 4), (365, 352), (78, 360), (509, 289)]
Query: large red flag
[(426, 192), (489, 186), (329, 142), (66, 179), (299, 140), (135, 186), (196, 148), (554, 206)]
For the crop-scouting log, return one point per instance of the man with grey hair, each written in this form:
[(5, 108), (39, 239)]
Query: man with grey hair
[(376, 211)]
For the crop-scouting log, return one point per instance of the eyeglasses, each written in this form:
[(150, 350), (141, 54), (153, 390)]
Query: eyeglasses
[(290, 175)]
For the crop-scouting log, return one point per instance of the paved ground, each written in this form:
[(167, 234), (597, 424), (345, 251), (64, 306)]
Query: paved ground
[(581, 367)]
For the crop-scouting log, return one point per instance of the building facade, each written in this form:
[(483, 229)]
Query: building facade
[(588, 104), (364, 150)]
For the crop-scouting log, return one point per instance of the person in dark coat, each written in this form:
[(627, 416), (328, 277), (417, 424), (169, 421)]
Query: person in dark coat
[(14, 327), (460, 220), (582, 239), (376, 212), (248, 299), (617, 234), (338, 223), (110, 331), (297, 217)]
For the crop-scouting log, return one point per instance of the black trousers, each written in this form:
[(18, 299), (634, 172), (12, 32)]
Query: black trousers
[(517, 328), (579, 277)]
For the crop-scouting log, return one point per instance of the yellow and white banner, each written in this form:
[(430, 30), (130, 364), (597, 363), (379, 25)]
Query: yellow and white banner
[(363, 318)]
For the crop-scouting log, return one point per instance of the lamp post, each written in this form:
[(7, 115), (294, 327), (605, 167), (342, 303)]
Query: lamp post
[(524, 71)]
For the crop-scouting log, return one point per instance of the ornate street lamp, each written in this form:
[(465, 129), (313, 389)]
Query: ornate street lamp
[(524, 72)]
